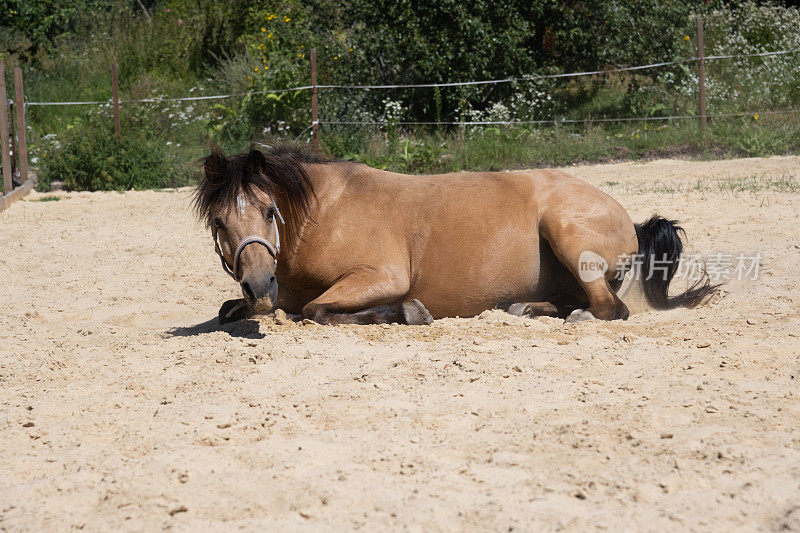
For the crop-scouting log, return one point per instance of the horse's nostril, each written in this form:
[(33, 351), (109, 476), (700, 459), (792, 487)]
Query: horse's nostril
[(272, 287), (248, 291)]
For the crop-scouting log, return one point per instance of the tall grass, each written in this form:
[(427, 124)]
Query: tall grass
[(499, 148)]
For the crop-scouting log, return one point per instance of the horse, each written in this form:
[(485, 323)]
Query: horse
[(339, 242)]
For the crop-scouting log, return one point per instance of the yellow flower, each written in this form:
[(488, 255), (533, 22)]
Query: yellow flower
[(637, 135), (686, 37), (350, 50), (335, 58), (286, 19), (256, 69), (755, 116), (299, 55), (261, 46), (263, 29)]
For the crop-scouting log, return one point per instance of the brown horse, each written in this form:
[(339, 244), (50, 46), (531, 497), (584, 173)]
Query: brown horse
[(340, 242)]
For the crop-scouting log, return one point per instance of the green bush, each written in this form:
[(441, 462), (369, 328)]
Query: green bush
[(753, 83), (92, 159), (26, 26), (424, 41)]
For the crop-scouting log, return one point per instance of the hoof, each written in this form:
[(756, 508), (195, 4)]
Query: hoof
[(579, 315), (533, 309), (519, 309), (234, 310), (415, 314)]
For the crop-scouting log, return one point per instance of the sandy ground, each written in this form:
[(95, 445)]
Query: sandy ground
[(123, 408)]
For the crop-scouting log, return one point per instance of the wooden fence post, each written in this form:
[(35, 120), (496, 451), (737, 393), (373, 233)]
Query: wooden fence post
[(22, 134), (701, 75), (12, 136), (314, 122), (115, 97), (6, 156)]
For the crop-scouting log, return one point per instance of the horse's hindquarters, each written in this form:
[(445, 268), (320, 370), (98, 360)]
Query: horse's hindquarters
[(522, 242)]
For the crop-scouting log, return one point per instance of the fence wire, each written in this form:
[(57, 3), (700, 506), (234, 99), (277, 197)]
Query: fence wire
[(433, 85), (560, 120)]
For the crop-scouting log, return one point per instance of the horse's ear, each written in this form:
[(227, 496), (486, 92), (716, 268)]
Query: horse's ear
[(256, 161), (214, 165)]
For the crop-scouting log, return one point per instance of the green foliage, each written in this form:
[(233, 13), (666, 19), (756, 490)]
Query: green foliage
[(29, 25), (754, 81), (515, 147), (210, 30), (273, 56), (752, 140), (92, 159), (179, 39), (248, 49), (423, 41), (260, 115)]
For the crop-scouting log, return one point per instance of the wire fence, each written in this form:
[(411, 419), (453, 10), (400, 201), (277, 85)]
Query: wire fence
[(520, 79), (314, 124), (563, 120), (311, 129)]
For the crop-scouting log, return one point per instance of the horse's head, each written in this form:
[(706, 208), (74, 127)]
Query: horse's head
[(236, 199)]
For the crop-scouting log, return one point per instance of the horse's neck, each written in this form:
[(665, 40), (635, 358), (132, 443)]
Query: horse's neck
[(327, 182)]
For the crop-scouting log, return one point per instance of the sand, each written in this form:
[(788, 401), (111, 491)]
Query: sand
[(123, 406)]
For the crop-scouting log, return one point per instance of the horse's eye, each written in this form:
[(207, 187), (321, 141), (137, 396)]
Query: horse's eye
[(218, 223), (270, 213)]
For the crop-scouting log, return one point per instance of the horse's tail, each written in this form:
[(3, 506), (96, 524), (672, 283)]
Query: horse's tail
[(647, 284)]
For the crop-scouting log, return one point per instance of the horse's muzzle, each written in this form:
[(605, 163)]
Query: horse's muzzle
[(261, 293)]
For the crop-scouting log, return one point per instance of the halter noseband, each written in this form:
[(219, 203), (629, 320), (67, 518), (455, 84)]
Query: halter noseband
[(273, 250)]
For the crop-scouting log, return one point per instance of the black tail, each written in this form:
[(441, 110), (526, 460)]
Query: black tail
[(660, 249)]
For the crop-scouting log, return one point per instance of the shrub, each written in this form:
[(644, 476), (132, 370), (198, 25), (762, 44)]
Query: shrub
[(28, 25), (753, 82), (92, 159)]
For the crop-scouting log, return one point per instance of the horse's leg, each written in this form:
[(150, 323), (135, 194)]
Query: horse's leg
[(368, 294), (603, 303), (412, 313), (569, 238)]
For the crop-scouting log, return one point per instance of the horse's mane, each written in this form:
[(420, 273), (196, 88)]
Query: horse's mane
[(278, 171)]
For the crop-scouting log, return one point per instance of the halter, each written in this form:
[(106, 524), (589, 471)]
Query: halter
[(273, 250)]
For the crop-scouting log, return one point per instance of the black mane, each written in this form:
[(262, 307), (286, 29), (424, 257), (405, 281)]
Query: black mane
[(278, 171)]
